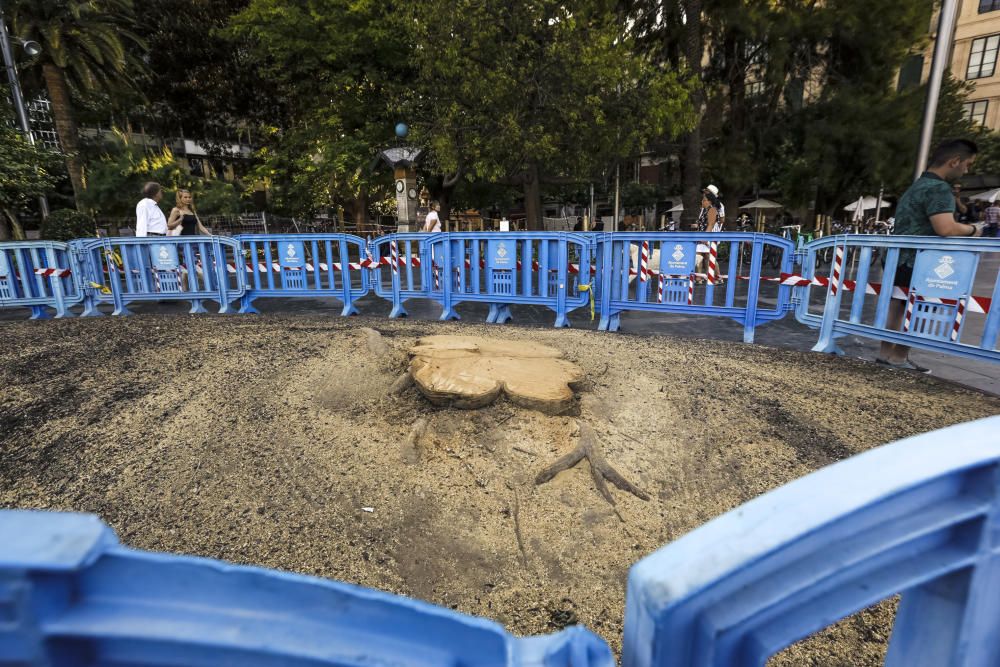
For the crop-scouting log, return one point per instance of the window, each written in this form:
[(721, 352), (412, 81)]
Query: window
[(976, 111), (988, 6), (911, 71), (755, 88), (983, 59)]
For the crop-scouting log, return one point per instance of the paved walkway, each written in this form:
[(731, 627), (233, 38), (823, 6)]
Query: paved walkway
[(785, 333)]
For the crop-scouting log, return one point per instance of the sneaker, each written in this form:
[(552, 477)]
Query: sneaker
[(906, 365)]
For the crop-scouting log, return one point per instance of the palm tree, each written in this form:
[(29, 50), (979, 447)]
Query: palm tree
[(88, 47)]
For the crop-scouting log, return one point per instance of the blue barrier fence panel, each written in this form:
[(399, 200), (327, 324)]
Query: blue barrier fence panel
[(662, 271), (404, 268), (39, 275), (503, 269), (176, 268), (938, 304), (920, 517), (70, 595), (303, 265)]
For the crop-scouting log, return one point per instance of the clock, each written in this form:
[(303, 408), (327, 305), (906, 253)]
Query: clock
[(400, 186), (412, 193)]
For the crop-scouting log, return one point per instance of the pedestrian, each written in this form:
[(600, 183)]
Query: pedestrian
[(709, 220), (149, 219), (433, 222), (721, 207), (184, 219), (992, 219), (928, 208)]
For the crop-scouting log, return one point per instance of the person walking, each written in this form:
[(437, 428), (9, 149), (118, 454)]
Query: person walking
[(992, 219), (149, 219), (184, 218), (433, 222), (709, 220), (927, 208)]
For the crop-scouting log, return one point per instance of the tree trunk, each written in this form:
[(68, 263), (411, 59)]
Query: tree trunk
[(691, 175), (66, 128), (533, 198), (448, 185), (10, 227), (359, 210)]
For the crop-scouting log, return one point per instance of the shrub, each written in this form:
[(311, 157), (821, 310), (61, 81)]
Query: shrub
[(66, 224)]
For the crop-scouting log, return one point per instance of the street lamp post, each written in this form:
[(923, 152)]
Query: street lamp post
[(15, 90), (939, 64)]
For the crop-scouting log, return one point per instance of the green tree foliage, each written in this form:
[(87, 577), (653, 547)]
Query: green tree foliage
[(340, 67), (119, 169), (66, 224), (89, 47), (26, 171), (535, 91)]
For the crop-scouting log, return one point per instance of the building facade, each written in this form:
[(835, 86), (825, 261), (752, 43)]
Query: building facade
[(973, 59)]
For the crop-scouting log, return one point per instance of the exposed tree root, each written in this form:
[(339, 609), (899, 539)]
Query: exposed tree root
[(401, 384), (600, 469)]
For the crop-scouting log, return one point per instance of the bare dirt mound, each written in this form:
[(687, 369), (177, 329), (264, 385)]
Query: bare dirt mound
[(261, 439)]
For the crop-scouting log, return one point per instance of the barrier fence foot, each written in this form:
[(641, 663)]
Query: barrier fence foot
[(246, 307), (562, 322), (828, 347), (349, 309), (499, 314), (397, 311), (197, 307), (225, 308), (90, 310), (39, 313), (449, 314), (64, 313), (121, 310), (610, 323)]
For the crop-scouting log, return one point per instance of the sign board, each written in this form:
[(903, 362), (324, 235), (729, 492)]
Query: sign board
[(502, 254), (505, 225), (164, 256), (4, 264), (677, 259), (291, 254), (943, 274)]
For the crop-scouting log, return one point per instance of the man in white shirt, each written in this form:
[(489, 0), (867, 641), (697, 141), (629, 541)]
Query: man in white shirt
[(149, 219), (433, 222)]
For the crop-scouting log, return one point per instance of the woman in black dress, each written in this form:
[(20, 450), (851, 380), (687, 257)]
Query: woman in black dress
[(184, 217)]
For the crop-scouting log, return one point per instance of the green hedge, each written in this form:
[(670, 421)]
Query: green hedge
[(66, 224)]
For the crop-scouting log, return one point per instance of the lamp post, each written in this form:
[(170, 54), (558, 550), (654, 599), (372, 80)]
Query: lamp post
[(939, 65), (32, 49)]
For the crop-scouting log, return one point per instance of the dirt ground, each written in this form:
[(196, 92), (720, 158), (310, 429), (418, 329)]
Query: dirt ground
[(260, 439)]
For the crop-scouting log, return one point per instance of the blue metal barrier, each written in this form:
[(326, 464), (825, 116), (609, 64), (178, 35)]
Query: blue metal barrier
[(656, 271), (313, 265), (175, 268), (919, 517), (403, 268), (550, 269), (70, 595), (936, 302), (38, 275)]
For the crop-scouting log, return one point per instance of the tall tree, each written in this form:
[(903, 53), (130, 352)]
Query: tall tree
[(26, 171), (534, 92), (340, 67), (89, 47)]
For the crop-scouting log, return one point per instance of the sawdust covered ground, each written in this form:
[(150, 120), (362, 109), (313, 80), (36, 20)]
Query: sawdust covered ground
[(260, 439)]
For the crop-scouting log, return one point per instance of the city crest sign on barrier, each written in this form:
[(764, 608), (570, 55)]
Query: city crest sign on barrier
[(943, 274), (164, 256), (291, 254), (502, 254), (677, 259)]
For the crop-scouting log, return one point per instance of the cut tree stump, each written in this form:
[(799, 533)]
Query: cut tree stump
[(470, 372), (600, 469)]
